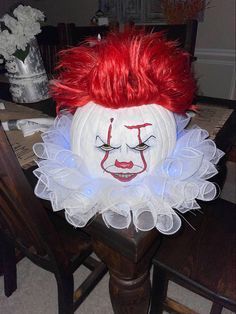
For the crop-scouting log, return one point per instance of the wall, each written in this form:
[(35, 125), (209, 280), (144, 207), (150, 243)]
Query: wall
[(68, 11), (215, 50), (215, 47)]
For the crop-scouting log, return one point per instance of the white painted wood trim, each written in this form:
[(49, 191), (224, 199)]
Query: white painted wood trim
[(228, 53), (219, 58), (233, 87), (216, 56)]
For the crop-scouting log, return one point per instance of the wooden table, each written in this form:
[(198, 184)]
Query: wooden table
[(128, 253)]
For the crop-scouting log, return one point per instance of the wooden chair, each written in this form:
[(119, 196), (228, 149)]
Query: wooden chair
[(203, 261), (80, 33), (49, 45), (185, 34), (52, 39), (42, 236)]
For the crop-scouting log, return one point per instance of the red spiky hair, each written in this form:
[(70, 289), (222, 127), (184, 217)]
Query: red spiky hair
[(124, 70)]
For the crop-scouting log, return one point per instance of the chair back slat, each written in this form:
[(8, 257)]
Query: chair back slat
[(51, 40), (22, 216), (12, 222), (184, 34)]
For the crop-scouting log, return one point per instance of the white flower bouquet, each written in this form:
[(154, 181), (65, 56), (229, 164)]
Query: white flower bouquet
[(17, 31)]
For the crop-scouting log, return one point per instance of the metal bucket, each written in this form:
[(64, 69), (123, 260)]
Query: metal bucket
[(28, 80)]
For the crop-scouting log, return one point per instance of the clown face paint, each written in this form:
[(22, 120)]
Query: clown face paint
[(122, 144)]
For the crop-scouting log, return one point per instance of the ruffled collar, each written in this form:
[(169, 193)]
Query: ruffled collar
[(156, 202)]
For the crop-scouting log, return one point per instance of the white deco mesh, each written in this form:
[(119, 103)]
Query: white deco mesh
[(174, 186)]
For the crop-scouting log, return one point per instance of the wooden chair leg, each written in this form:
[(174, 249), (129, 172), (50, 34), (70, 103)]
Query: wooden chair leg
[(65, 287), (8, 263), (1, 260), (159, 290), (216, 308)]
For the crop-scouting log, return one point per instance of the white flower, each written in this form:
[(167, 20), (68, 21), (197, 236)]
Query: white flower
[(11, 23), (31, 29), (11, 66), (26, 12), (20, 30), (7, 44), (21, 42)]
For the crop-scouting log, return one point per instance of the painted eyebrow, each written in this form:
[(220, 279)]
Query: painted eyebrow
[(106, 143), (143, 142), (139, 126)]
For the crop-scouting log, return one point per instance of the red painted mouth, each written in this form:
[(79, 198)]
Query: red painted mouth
[(124, 177)]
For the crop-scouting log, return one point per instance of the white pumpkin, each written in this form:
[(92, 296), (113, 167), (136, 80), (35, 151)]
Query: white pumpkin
[(138, 171), (122, 144)]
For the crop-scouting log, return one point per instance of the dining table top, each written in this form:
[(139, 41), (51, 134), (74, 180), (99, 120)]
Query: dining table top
[(128, 252), (129, 241)]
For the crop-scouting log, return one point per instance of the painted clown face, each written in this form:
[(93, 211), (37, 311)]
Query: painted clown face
[(122, 144)]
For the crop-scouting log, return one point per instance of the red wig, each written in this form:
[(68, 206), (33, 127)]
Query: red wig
[(124, 70)]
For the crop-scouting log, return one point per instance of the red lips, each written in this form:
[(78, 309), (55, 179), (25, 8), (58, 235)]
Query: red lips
[(124, 177), (124, 164)]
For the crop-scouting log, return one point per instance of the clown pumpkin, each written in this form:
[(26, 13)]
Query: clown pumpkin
[(121, 148)]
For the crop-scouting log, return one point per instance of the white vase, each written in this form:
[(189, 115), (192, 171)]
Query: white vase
[(28, 80)]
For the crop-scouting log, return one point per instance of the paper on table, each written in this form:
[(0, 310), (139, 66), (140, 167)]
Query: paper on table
[(22, 146)]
